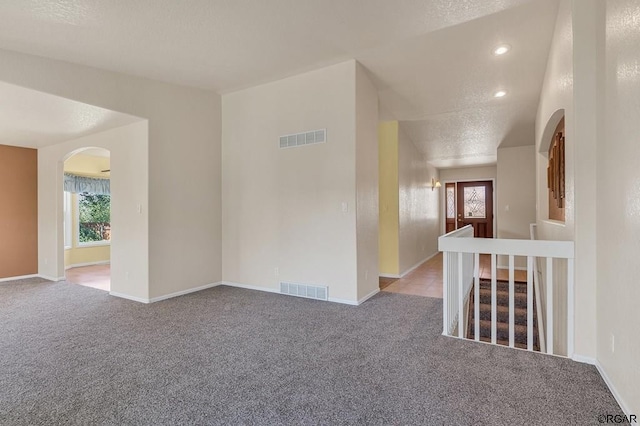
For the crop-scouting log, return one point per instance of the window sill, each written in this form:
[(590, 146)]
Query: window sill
[(94, 244), (554, 222)]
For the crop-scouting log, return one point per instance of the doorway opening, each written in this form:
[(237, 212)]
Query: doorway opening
[(470, 203), (87, 218)]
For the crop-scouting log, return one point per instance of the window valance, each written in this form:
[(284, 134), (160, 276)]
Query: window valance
[(78, 184)]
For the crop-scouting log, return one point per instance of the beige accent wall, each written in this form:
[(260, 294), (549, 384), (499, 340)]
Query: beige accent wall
[(516, 196), (289, 215), (409, 227), (184, 171), (618, 210), (90, 166), (418, 206), (389, 206), (18, 211)]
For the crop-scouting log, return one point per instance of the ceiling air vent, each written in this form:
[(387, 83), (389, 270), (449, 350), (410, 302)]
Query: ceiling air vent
[(306, 138)]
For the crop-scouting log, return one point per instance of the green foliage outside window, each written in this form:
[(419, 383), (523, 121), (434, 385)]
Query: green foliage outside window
[(94, 217)]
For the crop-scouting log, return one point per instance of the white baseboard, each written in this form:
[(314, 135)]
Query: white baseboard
[(389, 276), (128, 297), (80, 265), (183, 292), (368, 296), (408, 271), (612, 388), (251, 287), (22, 277), (19, 277), (46, 277), (607, 380), (584, 359), (164, 297), (277, 290), (343, 301)]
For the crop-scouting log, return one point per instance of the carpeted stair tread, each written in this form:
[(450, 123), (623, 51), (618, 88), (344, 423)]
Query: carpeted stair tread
[(502, 313), (502, 330), (520, 287), (520, 299)]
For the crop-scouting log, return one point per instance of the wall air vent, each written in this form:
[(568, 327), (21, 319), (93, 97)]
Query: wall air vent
[(302, 290), (306, 138)]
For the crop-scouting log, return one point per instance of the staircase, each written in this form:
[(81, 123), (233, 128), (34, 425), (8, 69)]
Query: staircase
[(502, 323)]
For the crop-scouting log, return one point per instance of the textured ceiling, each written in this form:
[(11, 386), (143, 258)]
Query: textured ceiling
[(33, 119), (431, 59)]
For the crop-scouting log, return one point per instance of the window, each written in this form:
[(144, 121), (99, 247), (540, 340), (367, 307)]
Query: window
[(451, 201), (94, 219), (67, 219), (474, 202)]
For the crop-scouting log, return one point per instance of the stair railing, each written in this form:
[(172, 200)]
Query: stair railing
[(537, 286), (457, 276), (461, 259)]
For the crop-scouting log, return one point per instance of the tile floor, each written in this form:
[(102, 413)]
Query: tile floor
[(95, 276), (426, 280)]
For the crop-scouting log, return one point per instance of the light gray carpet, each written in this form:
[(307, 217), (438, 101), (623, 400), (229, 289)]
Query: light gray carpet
[(75, 355)]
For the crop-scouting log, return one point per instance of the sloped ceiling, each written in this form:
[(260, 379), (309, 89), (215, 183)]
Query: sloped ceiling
[(33, 119), (430, 59)]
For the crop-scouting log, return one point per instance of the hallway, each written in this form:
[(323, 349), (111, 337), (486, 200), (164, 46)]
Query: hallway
[(426, 279)]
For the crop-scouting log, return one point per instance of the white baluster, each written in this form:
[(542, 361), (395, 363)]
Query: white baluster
[(476, 295), (494, 300), (570, 307), (549, 305), (530, 303), (445, 293), (460, 297), (512, 305)]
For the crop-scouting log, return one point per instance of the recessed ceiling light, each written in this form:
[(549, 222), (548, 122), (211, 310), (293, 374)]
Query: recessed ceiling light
[(499, 94), (501, 50)]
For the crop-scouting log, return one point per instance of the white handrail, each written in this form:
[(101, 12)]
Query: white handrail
[(461, 254), (536, 248), (458, 272)]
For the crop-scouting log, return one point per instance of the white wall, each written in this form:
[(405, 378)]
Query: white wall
[(129, 187), (516, 195), (618, 209), (556, 98), (283, 208), (184, 163), (366, 184), (468, 173), (418, 229)]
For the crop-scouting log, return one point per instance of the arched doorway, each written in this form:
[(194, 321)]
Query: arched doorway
[(552, 152), (87, 218)]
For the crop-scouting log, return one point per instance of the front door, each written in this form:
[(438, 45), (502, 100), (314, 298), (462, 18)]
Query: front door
[(475, 207)]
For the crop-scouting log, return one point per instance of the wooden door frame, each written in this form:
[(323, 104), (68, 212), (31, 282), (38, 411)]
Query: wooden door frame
[(443, 203)]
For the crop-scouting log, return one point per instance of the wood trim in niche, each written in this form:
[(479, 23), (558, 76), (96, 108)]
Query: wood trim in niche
[(556, 174), (18, 211)]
